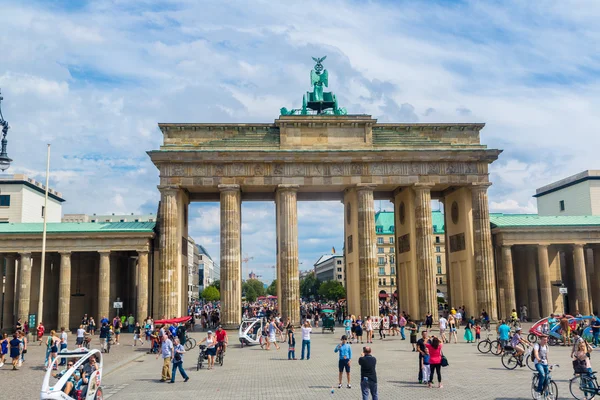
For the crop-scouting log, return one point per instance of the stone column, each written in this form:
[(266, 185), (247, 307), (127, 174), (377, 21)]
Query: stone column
[(104, 285), (545, 284), (9, 292), (169, 240), (24, 286), (485, 279), (595, 286), (367, 255), (64, 291), (231, 285), (142, 292), (532, 286), (581, 289), (509, 280), (287, 231), (424, 248)]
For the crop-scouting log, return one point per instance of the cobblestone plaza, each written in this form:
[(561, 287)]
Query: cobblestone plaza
[(252, 373)]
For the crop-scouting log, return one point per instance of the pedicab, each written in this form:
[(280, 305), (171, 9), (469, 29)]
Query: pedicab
[(328, 320), (68, 379), (250, 333), (541, 328)]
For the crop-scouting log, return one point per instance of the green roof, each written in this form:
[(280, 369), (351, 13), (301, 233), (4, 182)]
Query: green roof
[(499, 220), (384, 222), (77, 227)]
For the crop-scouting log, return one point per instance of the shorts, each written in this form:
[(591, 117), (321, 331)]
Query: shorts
[(136, 337), (413, 339), (359, 332), (478, 336), (452, 330), (272, 339), (79, 341), (503, 343), (211, 351), (343, 365)]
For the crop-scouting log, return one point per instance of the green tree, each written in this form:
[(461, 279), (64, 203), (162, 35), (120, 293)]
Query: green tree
[(255, 284), (216, 284), (251, 295), (272, 289), (309, 285), (211, 293), (332, 290)]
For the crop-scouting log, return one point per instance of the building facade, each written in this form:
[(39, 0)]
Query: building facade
[(193, 287), (578, 194), (22, 200), (207, 271), (330, 267), (109, 217)]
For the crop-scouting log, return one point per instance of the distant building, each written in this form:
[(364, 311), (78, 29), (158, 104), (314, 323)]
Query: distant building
[(208, 272), (193, 256), (330, 267), (576, 195), (22, 200), (109, 217)]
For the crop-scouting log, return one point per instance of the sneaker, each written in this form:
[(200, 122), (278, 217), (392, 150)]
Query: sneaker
[(1, 365), (340, 386), (349, 386), (186, 379)]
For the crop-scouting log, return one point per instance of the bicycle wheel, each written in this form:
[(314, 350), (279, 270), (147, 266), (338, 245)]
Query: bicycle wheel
[(530, 363), (509, 361), (221, 357), (188, 345), (532, 338), (582, 387), (495, 348), (193, 342), (551, 392), (535, 395), (484, 346)]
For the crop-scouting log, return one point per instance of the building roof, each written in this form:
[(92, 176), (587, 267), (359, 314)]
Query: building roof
[(384, 222), (499, 220), (203, 251), (327, 257), (568, 181), (19, 179), (77, 227)]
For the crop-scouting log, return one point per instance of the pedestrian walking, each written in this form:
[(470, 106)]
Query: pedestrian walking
[(358, 330), (80, 336), (306, 330), (452, 326), (368, 374), (402, 322), (137, 334), (291, 342), (382, 327), (3, 349), (428, 320), (422, 349), (468, 331), (345, 358), (435, 360), (167, 355), (15, 350), (40, 332), (64, 337), (369, 329), (211, 348), (412, 330), (443, 322), (178, 351), (273, 331)]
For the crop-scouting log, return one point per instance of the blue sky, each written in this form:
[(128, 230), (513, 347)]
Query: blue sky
[(94, 78)]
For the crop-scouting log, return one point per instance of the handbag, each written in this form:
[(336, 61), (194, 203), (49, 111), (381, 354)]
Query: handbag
[(444, 361)]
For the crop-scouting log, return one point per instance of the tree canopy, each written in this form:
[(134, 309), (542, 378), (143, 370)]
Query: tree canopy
[(332, 290), (256, 285), (309, 285), (211, 293), (272, 289), (251, 294), (216, 284)]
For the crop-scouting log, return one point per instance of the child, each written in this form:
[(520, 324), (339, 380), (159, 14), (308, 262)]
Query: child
[(426, 367), (291, 343), (477, 332)]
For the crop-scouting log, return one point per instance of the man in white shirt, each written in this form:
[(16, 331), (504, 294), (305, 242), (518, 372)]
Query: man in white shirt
[(306, 330), (443, 324), (80, 336)]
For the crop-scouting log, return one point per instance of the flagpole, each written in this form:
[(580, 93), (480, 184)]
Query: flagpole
[(40, 311)]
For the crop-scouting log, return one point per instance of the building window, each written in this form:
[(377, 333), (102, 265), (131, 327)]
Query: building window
[(93, 220), (437, 239), (381, 270), (339, 270), (392, 228), (379, 240), (392, 260), (392, 281), (43, 211), (137, 220), (4, 200), (380, 250), (392, 240), (108, 220), (379, 229), (381, 260), (122, 220), (561, 204), (391, 249), (339, 262), (437, 249), (438, 259), (393, 271), (439, 270), (339, 277), (384, 282)]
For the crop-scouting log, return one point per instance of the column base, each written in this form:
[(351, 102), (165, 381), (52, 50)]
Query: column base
[(231, 327)]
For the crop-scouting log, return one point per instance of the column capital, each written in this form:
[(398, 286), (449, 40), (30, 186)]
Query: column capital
[(422, 186), (65, 253), (229, 187), (577, 245), (287, 188), (506, 246), (169, 189), (481, 186), (143, 252), (104, 252), (543, 245), (365, 186)]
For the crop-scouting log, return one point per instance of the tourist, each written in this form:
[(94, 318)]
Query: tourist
[(137, 334), (382, 320), (565, 329), (291, 341), (468, 336), (273, 331), (422, 349), (412, 331), (452, 327), (368, 374), (178, 351), (222, 338), (345, 358), (595, 323), (130, 323), (80, 336), (3, 349), (49, 343), (540, 360), (117, 330), (477, 332), (92, 326), (552, 321), (24, 341), (402, 322), (167, 354), (306, 330), (104, 332), (369, 329), (582, 356), (443, 324), (63, 343), (435, 360), (503, 335), (40, 332), (15, 350), (523, 313), (211, 348), (348, 326), (19, 325), (358, 330), (428, 320)]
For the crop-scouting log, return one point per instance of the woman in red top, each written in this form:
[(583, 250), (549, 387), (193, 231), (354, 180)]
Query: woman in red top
[(40, 332), (435, 360)]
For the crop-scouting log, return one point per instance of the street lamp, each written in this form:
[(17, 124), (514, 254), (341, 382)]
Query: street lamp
[(4, 159)]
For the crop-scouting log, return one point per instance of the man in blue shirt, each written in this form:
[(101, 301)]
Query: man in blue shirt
[(345, 351), (503, 334)]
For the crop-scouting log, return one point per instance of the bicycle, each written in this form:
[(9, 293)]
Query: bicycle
[(201, 357), (584, 386), (510, 360), (220, 355), (190, 343), (487, 346), (549, 391)]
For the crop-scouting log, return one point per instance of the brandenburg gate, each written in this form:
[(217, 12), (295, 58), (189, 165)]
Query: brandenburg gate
[(320, 152)]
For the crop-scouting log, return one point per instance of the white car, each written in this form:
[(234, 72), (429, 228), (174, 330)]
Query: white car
[(80, 358)]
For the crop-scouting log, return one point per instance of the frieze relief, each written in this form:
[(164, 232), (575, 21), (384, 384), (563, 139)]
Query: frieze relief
[(320, 169)]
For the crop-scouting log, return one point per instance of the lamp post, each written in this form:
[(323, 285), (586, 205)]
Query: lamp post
[(4, 159)]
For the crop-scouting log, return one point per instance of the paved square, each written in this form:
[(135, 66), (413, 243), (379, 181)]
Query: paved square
[(252, 373)]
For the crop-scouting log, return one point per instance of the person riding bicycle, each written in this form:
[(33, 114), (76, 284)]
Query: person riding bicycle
[(540, 360), (516, 342), (222, 339)]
